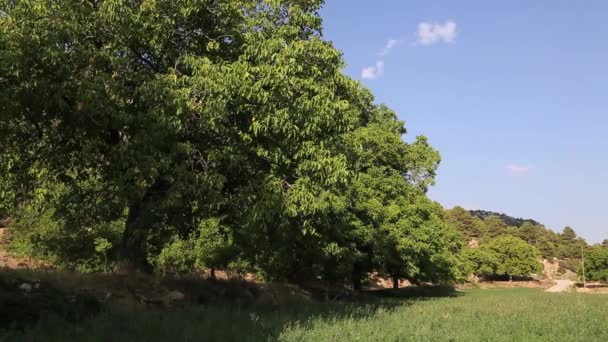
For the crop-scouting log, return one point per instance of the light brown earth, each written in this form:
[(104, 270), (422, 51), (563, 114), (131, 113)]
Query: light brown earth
[(561, 285)]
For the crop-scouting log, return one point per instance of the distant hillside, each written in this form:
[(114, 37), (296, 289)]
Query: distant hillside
[(509, 220)]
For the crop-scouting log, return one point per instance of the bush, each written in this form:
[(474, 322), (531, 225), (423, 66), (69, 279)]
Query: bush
[(178, 256), (67, 242), (596, 264)]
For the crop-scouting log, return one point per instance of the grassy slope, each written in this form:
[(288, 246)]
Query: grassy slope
[(476, 315)]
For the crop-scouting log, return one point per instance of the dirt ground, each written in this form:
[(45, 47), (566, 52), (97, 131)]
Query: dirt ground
[(12, 262), (592, 288), (534, 284)]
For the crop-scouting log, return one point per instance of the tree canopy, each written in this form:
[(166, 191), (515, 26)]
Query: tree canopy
[(596, 264), (517, 258), (206, 134)]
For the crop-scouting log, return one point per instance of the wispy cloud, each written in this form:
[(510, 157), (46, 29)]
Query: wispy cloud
[(373, 72), (388, 47), (432, 33), (518, 170), (428, 33)]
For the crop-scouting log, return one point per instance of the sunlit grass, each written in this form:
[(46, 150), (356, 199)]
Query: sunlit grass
[(475, 315)]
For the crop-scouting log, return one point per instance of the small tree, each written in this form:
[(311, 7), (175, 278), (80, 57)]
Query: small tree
[(516, 257), (178, 256), (214, 246), (479, 261), (103, 246), (596, 264)]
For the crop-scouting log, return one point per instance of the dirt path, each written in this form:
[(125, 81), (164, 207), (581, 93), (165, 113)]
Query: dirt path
[(562, 285)]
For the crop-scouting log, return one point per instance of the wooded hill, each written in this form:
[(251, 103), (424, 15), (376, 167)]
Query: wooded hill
[(487, 227), (508, 220)]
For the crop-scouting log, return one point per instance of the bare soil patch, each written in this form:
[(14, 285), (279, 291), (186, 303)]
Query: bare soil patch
[(534, 284)]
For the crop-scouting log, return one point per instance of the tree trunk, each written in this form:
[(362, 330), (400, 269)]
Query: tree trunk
[(140, 219), (212, 273), (395, 282), (131, 255), (510, 278), (105, 263)]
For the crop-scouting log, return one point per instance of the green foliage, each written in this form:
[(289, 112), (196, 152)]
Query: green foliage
[(550, 244), (479, 261), (516, 257), (471, 227), (210, 247), (398, 230), (102, 246), (63, 234), (178, 256), (207, 134), (507, 219), (7, 185), (596, 264), (495, 226), (461, 220), (569, 244), (214, 246)]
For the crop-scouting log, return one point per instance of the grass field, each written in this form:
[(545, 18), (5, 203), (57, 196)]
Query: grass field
[(473, 315)]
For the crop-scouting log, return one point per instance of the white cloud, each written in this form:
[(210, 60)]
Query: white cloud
[(373, 72), (518, 170), (431, 33), (390, 45)]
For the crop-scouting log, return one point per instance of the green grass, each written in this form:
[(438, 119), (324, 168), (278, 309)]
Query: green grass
[(474, 315)]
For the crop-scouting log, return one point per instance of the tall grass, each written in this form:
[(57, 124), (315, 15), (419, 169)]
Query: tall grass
[(475, 315)]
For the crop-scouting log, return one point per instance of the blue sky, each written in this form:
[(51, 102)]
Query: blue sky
[(514, 94)]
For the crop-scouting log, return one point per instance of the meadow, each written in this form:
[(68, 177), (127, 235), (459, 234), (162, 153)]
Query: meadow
[(471, 315)]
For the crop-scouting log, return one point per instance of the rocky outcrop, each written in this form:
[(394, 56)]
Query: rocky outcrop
[(550, 268)]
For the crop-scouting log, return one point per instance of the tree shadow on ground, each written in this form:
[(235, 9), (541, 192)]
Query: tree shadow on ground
[(417, 292), (215, 310)]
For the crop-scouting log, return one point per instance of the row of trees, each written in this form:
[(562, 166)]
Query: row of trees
[(504, 256), (171, 135), (564, 245), (516, 250)]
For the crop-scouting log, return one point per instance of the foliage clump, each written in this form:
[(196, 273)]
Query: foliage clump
[(596, 264)]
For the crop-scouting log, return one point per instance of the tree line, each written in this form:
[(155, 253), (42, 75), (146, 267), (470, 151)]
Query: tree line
[(500, 236)]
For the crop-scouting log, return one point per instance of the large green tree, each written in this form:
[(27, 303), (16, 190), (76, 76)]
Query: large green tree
[(398, 230), (92, 92), (515, 257), (479, 261), (569, 244), (209, 133)]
